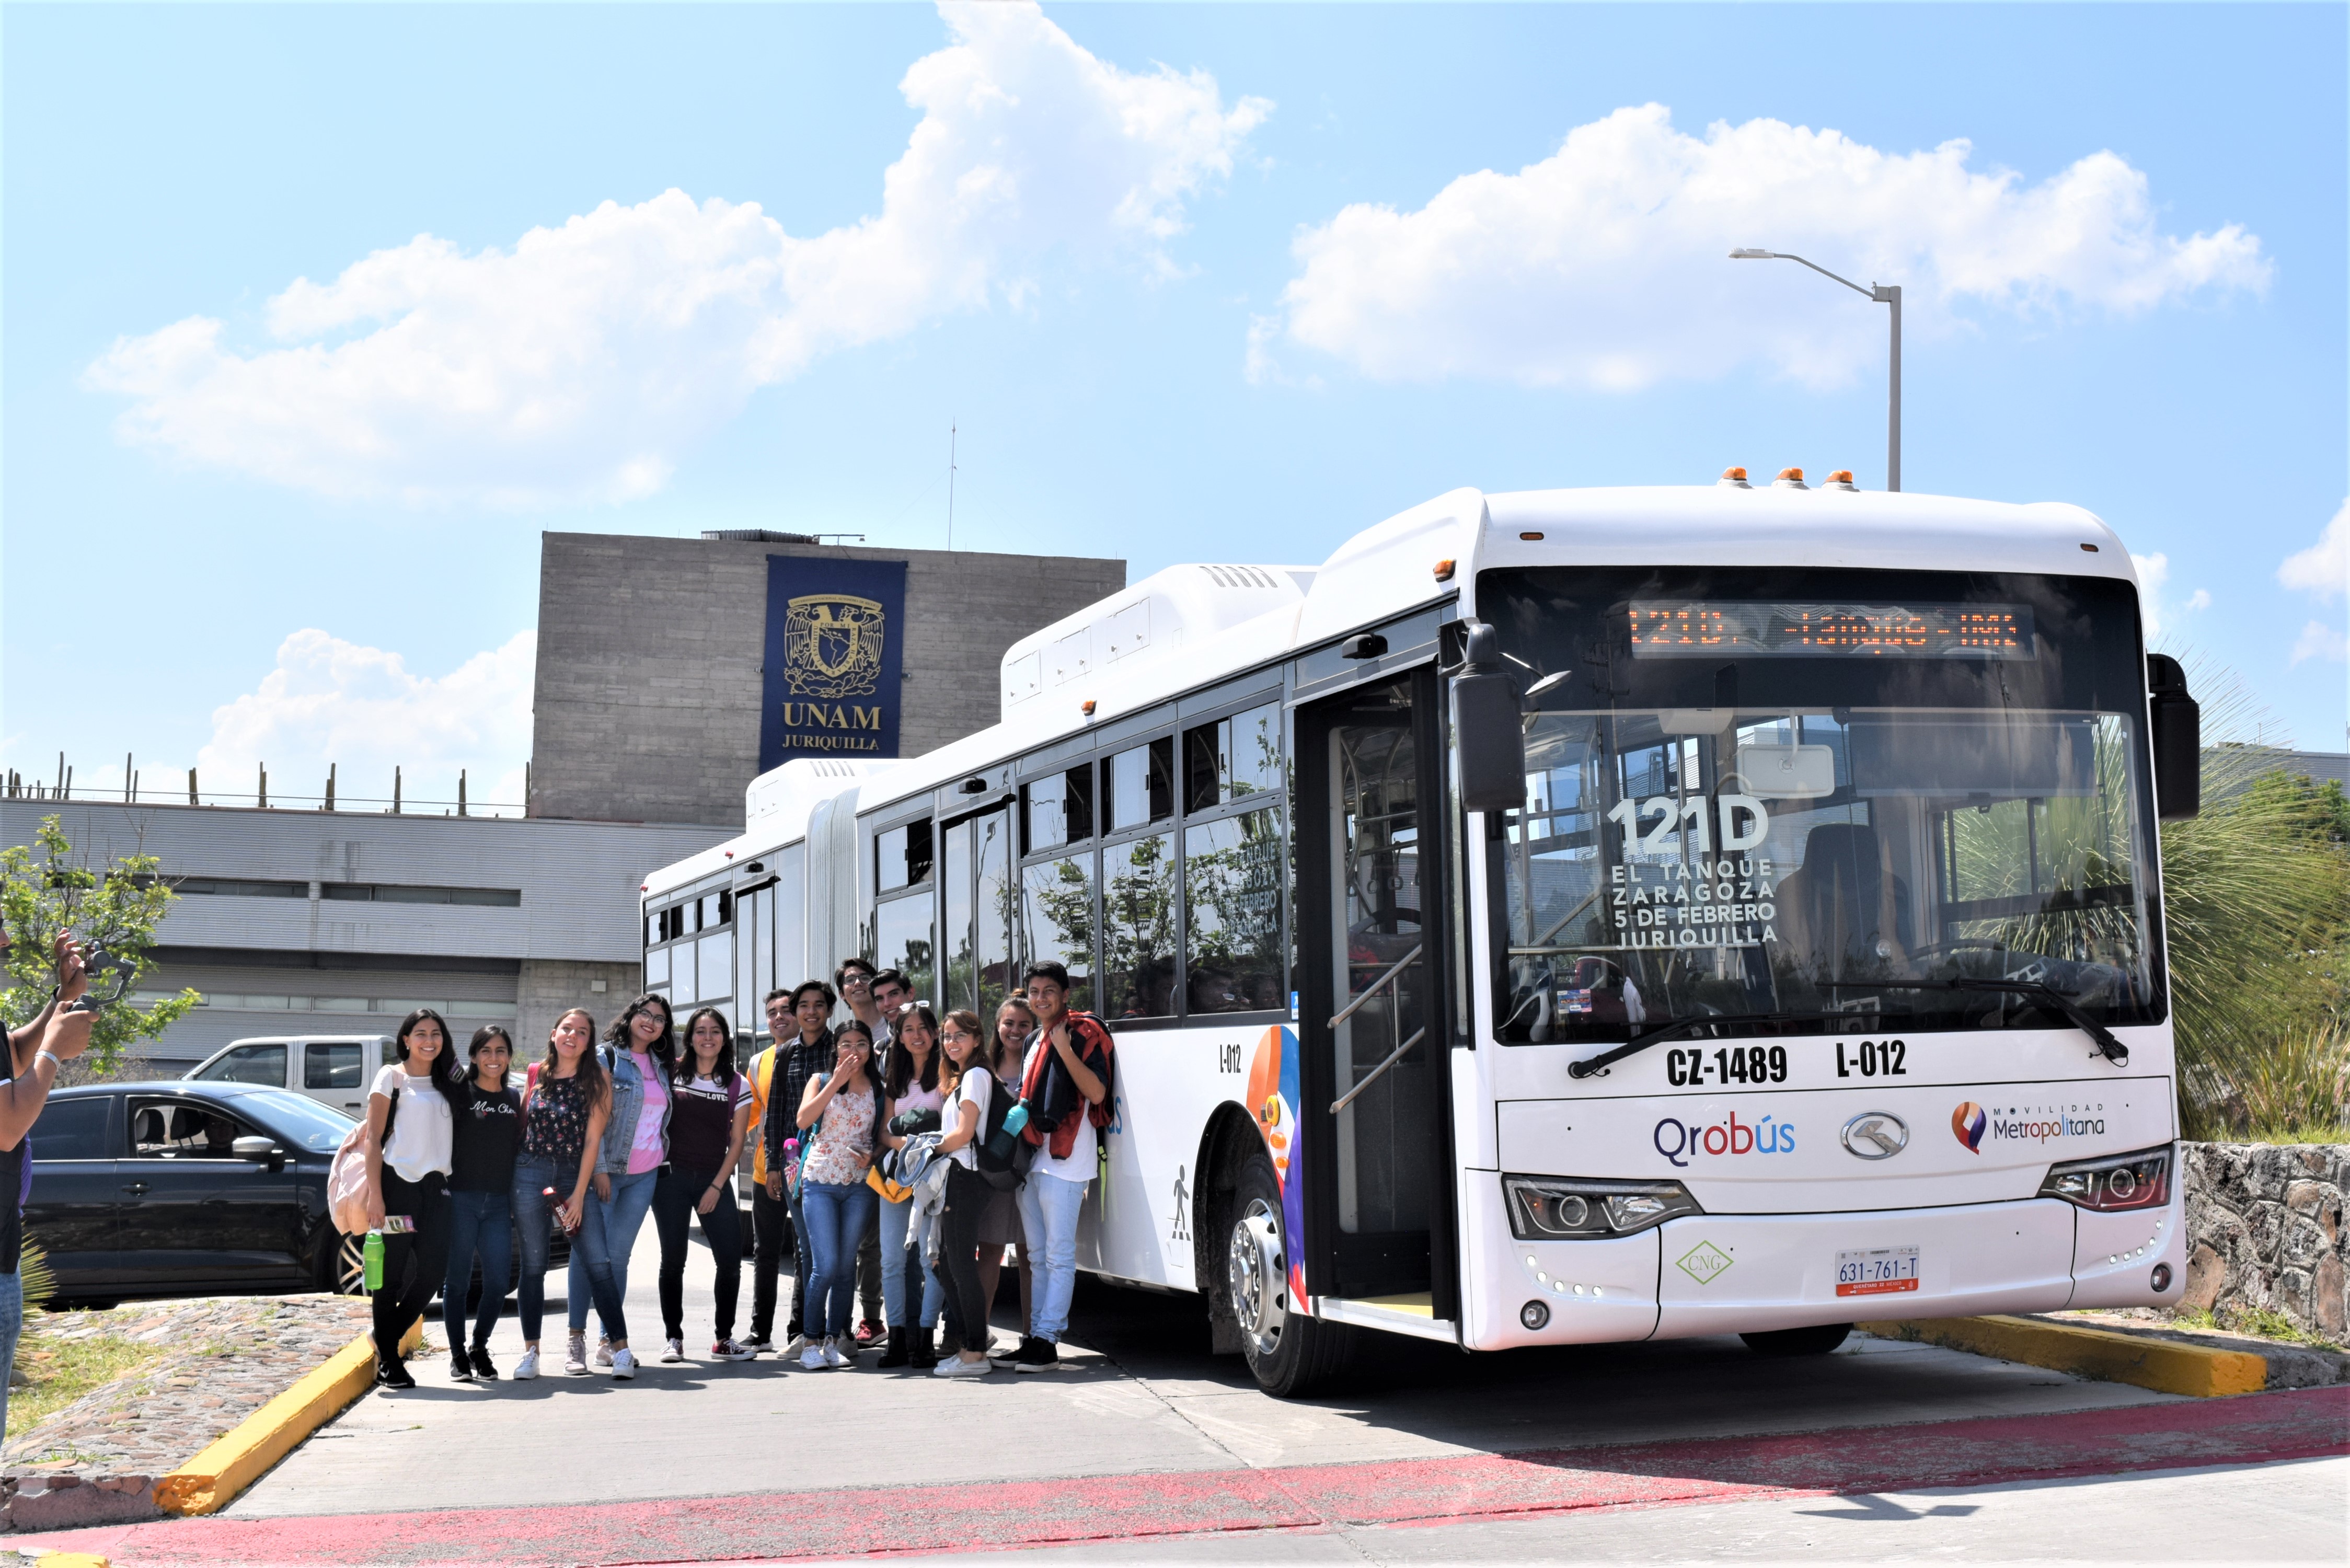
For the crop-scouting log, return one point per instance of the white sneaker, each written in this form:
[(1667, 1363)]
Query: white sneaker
[(527, 1367), (835, 1357), (796, 1344), (673, 1352), (575, 1355), (812, 1359), (603, 1352), (624, 1363), (956, 1367)]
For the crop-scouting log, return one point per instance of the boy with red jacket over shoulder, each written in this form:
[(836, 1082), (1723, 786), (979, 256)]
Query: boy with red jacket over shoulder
[(1065, 1085)]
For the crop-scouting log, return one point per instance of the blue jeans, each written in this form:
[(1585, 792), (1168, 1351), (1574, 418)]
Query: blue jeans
[(614, 1222), (899, 1270), (533, 1219), (1048, 1218), (12, 1323), (478, 1222), (836, 1218)]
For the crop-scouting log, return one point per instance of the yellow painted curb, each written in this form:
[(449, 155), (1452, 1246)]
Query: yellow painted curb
[(69, 1560), (234, 1461), (2165, 1365)]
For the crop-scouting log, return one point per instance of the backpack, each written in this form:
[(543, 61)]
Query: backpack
[(346, 1177), (998, 1154)]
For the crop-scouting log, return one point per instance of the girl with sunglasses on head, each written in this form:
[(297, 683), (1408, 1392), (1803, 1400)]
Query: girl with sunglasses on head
[(412, 1109), (972, 1092), (712, 1112), (482, 1144), (910, 1296), (999, 1222), (639, 1056), (565, 1103)]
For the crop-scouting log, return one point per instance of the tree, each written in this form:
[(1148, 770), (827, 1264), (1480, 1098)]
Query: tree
[(44, 889)]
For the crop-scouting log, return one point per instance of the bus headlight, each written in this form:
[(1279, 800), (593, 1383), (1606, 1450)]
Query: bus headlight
[(1567, 1209), (2140, 1181)]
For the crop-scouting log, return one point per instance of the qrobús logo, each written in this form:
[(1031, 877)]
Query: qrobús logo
[(1681, 1142), (1970, 1123)]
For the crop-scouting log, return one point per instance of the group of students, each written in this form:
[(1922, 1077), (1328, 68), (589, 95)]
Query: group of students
[(895, 1154)]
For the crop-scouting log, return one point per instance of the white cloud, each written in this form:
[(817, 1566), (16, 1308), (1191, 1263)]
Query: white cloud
[(2324, 568), (2319, 640), (358, 708), (580, 363), (1605, 266), (2153, 577)]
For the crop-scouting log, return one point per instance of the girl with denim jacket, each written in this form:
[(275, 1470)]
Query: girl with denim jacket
[(840, 1121), (640, 1054)]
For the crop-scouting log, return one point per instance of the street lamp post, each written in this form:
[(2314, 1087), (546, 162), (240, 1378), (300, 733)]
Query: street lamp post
[(1883, 293)]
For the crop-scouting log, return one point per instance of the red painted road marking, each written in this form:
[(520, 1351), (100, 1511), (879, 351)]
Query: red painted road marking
[(2251, 1429)]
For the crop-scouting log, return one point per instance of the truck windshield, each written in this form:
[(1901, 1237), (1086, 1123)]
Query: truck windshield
[(1824, 792)]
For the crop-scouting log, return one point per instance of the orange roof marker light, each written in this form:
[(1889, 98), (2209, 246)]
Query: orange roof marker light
[(1840, 479), (1532, 533), (1087, 706), (1444, 570), (1735, 478), (1790, 479)]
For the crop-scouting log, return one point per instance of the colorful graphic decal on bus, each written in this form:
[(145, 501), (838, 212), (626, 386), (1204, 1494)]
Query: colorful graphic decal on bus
[(2026, 1123), (1969, 1122), (1273, 1100), (1680, 1141)]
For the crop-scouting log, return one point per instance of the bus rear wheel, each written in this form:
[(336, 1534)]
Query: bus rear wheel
[(1289, 1354), (1816, 1340)]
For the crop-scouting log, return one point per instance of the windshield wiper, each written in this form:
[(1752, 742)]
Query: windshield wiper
[(1681, 1029), (2047, 995)]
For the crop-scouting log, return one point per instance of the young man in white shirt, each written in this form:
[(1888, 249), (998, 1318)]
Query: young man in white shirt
[(1066, 1158)]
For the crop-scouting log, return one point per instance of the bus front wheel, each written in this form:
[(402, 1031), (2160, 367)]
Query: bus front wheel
[(1289, 1354)]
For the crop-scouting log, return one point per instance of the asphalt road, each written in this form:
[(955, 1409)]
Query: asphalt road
[(1138, 1395), (1146, 1449)]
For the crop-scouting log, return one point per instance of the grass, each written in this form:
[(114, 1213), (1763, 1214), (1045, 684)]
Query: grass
[(62, 1371), (2259, 1323)]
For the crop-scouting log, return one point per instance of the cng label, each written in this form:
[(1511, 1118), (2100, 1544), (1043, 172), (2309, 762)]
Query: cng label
[(1704, 1263)]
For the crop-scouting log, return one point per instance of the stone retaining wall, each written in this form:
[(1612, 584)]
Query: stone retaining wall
[(2265, 1230)]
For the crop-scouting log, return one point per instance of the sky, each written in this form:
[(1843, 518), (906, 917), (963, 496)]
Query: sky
[(316, 316)]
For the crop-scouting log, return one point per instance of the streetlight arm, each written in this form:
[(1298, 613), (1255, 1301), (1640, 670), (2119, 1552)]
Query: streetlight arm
[(1782, 256)]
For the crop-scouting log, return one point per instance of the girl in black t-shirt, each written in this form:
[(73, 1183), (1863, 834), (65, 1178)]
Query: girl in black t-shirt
[(710, 1113), (482, 1142)]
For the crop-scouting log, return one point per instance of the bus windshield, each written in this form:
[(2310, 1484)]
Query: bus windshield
[(1833, 795)]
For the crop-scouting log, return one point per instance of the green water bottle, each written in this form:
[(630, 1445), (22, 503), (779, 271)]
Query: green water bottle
[(371, 1260)]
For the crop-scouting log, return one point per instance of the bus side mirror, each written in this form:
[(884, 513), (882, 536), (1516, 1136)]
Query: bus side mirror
[(1488, 731), (2177, 740)]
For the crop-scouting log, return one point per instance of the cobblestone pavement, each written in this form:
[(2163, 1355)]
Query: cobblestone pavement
[(224, 1357)]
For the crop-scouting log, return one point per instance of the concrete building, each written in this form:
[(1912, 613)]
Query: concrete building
[(662, 662), (651, 666), (339, 922)]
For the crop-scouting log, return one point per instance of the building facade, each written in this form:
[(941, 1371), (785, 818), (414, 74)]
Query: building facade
[(654, 686)]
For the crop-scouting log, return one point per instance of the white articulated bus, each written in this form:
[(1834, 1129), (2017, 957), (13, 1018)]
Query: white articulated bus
[(1566, 916)]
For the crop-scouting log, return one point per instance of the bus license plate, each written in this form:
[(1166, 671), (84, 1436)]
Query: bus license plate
[(1876, 1271)]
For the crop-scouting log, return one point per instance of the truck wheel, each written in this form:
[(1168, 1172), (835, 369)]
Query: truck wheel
[(1817, 1340), (1289, 1354)]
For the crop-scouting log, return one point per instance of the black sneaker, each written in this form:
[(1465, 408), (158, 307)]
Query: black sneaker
[(483, 1368), (1004, 1359), (757, 1344), (1037, 1355), (460, 1369), (394, 1376)]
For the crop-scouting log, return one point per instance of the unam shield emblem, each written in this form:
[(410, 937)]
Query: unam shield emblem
[(832, 645)]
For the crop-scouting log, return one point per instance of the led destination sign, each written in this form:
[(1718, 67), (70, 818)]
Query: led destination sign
[(1695, 629)]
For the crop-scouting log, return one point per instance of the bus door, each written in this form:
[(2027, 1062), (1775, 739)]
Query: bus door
[(1378, 1222)]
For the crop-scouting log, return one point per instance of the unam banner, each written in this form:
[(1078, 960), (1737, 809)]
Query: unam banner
[(835, 631)]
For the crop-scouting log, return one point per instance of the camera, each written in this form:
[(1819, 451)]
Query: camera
[(109, 974)]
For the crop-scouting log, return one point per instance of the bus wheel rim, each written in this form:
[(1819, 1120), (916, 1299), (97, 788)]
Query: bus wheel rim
[(1258, 1274)]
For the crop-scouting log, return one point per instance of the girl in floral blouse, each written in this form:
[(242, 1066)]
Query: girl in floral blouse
[(844, 1109)]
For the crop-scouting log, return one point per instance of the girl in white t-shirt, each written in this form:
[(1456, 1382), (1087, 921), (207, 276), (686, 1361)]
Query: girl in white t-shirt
[(963, 1118), (408, 1179)]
